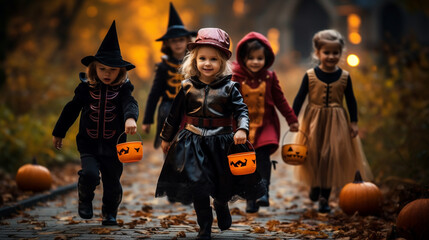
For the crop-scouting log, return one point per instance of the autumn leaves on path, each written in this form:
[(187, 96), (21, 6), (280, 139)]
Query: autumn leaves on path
[(291, 214)]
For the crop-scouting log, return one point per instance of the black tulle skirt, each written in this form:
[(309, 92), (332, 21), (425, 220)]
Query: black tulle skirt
[(197, 166)]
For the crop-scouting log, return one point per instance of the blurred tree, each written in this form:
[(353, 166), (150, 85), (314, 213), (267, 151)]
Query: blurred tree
[(35, 34), (394, 109), (42, 43)]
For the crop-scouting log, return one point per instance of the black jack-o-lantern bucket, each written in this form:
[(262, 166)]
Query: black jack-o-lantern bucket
[(242, 163), (129, 151), (293, 153)]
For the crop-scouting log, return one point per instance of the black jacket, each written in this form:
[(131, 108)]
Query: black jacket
[(104, 110), (166, 85), (219, 99)]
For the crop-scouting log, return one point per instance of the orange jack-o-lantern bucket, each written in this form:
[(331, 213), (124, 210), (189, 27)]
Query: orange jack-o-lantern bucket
[(293, 153), (242, 163), (129, 151)]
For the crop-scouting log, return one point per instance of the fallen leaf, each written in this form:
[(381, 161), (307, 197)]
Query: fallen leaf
[(258, 230)]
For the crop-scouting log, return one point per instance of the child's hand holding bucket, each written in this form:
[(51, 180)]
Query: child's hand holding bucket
[(130, 126), (240, 137)]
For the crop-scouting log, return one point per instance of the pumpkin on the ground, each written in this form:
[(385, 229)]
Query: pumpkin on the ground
[(359, 196), (413, 219), (33, 177)]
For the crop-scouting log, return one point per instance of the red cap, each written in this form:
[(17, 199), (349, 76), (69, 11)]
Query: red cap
[(215, 37)]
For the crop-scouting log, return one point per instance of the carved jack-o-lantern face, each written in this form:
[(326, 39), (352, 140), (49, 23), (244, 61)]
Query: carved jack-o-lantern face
[(294, 154), (130, 151), (242, 163)]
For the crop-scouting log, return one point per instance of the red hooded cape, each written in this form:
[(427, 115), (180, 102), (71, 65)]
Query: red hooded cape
[(269, 132)]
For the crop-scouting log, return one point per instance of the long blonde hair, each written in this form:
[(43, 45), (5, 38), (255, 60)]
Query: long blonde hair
[(324, 36), (189, 65), (93, 79)]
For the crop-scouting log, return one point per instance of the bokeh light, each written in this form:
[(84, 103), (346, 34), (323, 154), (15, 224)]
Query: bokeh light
[(353, 20), (355, 38), (273, 36), (353, 60), (238, 7), (92, 11)]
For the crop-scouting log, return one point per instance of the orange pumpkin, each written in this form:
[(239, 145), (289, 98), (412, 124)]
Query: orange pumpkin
[(33, 177), (359, 196), (130, 151), (413, 220), (242, 163), (293, 153)]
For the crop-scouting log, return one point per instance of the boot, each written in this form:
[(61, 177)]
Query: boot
[(205, 220), (324, 205), (85, 202), (251, 206), (264, 201), (314, 194), (109, 216), (223, 215), (324, 200), (110, 206), (85, 210)]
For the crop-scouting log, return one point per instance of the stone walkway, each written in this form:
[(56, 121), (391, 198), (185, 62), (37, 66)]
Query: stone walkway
[(141, 216)]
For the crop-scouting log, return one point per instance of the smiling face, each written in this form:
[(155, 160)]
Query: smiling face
[(209, 63), (255, 61), (329, 55), (106, 74)]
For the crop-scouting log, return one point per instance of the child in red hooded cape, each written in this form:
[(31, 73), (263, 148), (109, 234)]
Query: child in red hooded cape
[(262, 93)]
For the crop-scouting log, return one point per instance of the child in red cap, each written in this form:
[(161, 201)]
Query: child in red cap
[(196, 165)]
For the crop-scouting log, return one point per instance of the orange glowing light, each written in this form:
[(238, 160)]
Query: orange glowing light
[(273, 36), (92, 11), (238, 7), (353, 60), (355, 37), (353, 20)]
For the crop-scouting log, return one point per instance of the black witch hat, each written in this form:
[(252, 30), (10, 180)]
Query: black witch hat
[(109, 52), (175, 26)]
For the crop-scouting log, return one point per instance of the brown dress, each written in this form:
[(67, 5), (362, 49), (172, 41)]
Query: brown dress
[(333, 155)]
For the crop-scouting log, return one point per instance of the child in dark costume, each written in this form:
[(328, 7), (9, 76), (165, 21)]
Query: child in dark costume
[(262, 94), (107, 109), (167, 78), (334, 148), (196, 165)]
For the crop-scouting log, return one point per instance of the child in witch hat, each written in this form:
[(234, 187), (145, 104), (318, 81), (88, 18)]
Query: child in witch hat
[(107, 109), (167, 79)]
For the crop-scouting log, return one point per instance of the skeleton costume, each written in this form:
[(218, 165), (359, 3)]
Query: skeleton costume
[(104, 110), (167, 80)]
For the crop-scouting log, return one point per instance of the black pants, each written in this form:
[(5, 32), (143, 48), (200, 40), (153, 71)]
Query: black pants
[(263, 162), (111, 171)]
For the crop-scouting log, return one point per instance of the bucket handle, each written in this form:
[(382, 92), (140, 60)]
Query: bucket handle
[(229, 149), (299, 130), (117, 141)]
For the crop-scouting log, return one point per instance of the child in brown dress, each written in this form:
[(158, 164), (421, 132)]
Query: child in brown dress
[(334, 150)]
